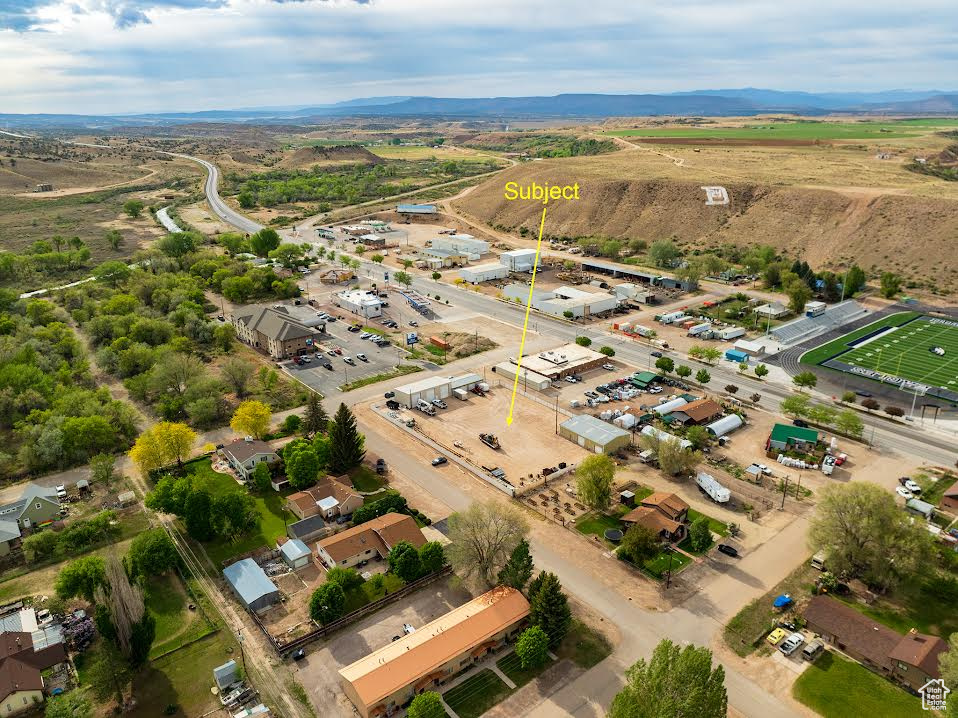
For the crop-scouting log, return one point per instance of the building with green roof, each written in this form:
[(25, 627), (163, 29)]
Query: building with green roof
[(789, 436)]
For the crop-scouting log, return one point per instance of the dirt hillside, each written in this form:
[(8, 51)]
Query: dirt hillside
[(880, 229), (305, 157)]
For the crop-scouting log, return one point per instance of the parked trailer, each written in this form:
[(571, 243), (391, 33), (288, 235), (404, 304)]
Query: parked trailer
[(698, 329), (460, 394), (730, 333), (642, 331), (670, 318), (713, 488)]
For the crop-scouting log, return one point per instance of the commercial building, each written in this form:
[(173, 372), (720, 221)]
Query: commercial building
[(275, 332), (484, 272), (372, 240), (641, 294), (365, 304), (911, 660), (789, 436), (434, 387), (439, 258), (594, 434), (752, 348), (462, 243), (244, 454), (774, 310), (305, 315), (725, 425), (527, 379), (416, 208), (564, 360), (295, 554), (579, 301), (519, 260), (375, 537), (736, 355), (251, 585), (387, 679)]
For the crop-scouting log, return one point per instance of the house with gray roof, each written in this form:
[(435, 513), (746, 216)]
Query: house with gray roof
[(251, 585), (244, 454), (275, 332), (309, 529), (36, 506)]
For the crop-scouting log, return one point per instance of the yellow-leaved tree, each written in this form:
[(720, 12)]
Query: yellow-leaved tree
[(252, 418), (161, 445)]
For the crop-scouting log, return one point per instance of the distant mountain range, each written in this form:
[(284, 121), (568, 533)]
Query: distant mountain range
[(705, 103)]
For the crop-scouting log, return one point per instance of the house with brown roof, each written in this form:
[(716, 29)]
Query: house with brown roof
[(700, 411), (392, 676), (911, 660), (949, 500), (21, 667), (372, 539), (244, 454), (330, 498), (666, 514)]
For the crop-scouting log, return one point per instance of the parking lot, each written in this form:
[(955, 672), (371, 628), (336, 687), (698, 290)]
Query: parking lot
[(318, 672), (338, 344)]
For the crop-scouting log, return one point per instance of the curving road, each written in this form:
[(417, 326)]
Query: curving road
[(219, 207)]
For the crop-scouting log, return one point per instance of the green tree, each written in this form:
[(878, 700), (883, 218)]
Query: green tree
[(743, 367), (568, 313), (178, 244), (607, 351), (823, 415), (699, 534), (232, 242), (152, 553), (197, 511), (848, 397), (948, 666), (761, 371), (347, 578), (264, 242), (436, 276), (302, 466), (698, 435), (796, 405), (41, 545), (683, 371), (594, 481), (378, 258), (114, 238), (262, 478), (583, 341), (426, 705), (798, 296), (251, 418), (68, 705), (316, 419), (866, 535), (80, 578), (702, 376), (346, 444), (141, 639), (237, 373), (133, 207), (854, 281), (549, 609), (432, 556), (327, 603), (805, 380), (890, 284), (533, 647), (849, 422), (404, 561), (676, 681), (482, 539), (112, 272), (640, 543), (286, 254), (518, 569), (665, 365), (663, 252), (403, 278)]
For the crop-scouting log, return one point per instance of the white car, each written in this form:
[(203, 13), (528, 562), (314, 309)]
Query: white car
[(349, 360), (608, 367), (570, 379), (791, 644), (912, 486), (61, 491), (362, 357), (904, 493)]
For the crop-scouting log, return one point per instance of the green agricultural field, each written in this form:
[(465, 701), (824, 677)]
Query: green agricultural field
[(802, 130), (905, 351)]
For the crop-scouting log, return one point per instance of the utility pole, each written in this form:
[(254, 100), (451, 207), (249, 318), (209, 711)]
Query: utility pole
[(668, 573), (784, 491)]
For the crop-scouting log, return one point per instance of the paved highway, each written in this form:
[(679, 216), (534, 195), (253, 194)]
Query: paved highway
[(219, 207)]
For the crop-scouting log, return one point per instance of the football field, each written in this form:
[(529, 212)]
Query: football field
[(917, 348)]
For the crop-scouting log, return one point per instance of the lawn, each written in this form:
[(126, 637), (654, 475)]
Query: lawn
[(271, 510), (477, 694), (927, 605), (176, 625), (597, 524), (365, 479), (584, 646), (802, 130), (659, 565), (365, 593), (401, 370), (835, 687), (746, 630), (837, 346), (716, 526), (511, 665)]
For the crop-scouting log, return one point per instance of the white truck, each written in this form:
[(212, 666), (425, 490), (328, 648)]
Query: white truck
[(718, 493), (426, 408)]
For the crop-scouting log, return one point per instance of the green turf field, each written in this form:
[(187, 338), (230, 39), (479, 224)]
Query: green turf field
[(799, 130), (904, 352)]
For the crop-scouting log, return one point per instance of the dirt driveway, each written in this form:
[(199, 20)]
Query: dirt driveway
[(318, 672)]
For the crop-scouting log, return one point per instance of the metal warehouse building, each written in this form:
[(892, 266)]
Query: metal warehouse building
[(519, 260), (484, 272), (527, 379), (434, 387), (464, 243), (562, 361), (594, 434), (251, 585), (416, 208)]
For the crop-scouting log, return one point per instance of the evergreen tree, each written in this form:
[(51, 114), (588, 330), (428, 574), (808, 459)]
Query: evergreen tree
[(316, 418), (347, 445), (518, 569), (549, 609)]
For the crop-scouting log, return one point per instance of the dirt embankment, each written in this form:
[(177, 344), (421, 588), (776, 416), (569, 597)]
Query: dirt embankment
[(305, 157), (913, 236)]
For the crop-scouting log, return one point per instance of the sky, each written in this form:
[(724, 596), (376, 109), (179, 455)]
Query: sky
[(123, 56)]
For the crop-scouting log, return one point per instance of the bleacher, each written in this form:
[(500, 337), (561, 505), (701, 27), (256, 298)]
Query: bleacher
[(808, 327)]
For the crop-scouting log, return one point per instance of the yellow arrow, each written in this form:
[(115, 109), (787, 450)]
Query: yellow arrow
[(525, 324)]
